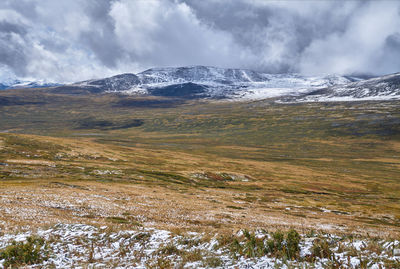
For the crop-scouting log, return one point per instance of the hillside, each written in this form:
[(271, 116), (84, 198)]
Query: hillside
[(205, 82), (380, 88)]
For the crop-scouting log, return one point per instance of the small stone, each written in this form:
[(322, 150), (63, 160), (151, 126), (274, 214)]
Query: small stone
[(396, 252)]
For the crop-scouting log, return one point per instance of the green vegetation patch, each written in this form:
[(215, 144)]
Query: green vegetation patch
[(18, 254)]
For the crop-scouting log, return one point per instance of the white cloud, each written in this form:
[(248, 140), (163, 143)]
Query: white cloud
[(169, 33), (70, 40), (360, 46)]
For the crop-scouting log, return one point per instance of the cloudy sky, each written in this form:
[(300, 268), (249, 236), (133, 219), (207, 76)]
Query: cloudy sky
[(71, 40)]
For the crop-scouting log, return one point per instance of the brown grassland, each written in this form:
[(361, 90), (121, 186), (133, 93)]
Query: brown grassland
[(198, 165)]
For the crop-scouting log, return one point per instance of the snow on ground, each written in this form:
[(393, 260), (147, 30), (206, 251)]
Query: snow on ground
[(264, 93), (347, 98), (84, 246)]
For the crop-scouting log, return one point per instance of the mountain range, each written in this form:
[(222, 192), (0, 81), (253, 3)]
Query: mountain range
[(379, 88), (8, 84), (194, 82)]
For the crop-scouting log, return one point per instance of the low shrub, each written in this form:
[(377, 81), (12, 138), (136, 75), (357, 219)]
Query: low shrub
[(292, 244), (280, 245), (253, 247), (235, 248), (320, 249), (33, 251), (276, 243)]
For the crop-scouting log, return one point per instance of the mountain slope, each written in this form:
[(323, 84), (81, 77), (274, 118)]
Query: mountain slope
[(20, 84), (205, 82), (380, 88), (193, 82), (202, 74)]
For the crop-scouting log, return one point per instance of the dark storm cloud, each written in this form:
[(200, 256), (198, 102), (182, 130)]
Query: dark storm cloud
[(12, 43), (279, 32), (68, 40), (100, 38), (6, 27)]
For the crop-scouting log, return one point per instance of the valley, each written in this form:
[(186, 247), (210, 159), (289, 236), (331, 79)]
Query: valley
[(104, 164), (255, 163), (182, 134)]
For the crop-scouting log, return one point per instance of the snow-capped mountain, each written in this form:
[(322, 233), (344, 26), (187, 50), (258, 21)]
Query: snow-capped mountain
[(118, 83), (226, 83), (200, 74), (380, 88), (18, 84), (206, 82)]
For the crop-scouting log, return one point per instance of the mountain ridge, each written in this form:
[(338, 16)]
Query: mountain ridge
[(9, 84), (386, 87), (195, 82), (207, 82)]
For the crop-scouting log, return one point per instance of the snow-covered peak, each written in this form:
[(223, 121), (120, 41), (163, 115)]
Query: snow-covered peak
[(229, 83), (379, 88), (12, 83), (118, 83), (207, 82), (199, 74)]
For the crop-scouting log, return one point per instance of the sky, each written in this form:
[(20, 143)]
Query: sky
[(74, 40)]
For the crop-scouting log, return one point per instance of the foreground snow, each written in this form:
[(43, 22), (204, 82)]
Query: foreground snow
[(81, 246)]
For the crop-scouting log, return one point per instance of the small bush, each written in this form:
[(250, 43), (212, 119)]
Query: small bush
[(284, 246), (292, 244), (320, 249), (276, 243), (280, 245), (254, 247), (235, 248), (22, 253)]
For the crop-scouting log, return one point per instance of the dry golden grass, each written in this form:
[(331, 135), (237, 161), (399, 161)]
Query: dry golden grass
[(72, 190), (200, 166)]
